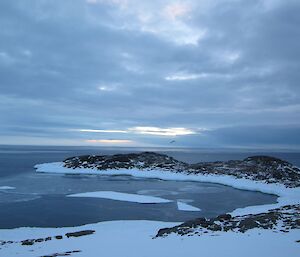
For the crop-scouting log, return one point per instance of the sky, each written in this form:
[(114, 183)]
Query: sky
[(175, 73)]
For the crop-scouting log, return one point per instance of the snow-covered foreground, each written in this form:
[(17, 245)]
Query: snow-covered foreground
[(122, 197), (135, 239)]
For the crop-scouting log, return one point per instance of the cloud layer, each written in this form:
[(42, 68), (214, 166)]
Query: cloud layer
[(226, 71)]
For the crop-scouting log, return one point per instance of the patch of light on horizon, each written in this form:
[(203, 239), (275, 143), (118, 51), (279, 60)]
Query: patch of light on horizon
[(157, 131), (110, 141), (101, 131), (162, 131)]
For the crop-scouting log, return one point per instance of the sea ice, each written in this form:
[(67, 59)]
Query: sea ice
[(186, 207), (122, 197)]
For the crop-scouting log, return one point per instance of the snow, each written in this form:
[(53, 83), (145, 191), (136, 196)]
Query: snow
[(135, 239), (186, 207), (6, 187), (122, 197)]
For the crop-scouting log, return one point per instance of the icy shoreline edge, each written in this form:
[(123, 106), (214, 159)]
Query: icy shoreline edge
[(286, 196)]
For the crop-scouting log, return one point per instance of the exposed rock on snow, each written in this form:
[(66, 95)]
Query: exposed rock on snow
[(67, 253), (260, 168), (49, 238), (145, 160), (281, 219)]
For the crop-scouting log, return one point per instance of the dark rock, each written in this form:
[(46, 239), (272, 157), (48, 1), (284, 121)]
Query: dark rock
[(59, 237), (67, 253), (215, 227), (247, 224), (27, 242), (145, 160), (224, 217), (288, 217), (163, 231), (80, 233)]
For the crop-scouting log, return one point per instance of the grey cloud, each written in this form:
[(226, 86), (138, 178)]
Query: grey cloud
[(56, 55)]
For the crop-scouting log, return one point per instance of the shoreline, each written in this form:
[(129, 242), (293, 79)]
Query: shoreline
[(285, 195)]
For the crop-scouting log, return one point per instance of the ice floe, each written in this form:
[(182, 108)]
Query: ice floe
[(186, 207), (122, 197)]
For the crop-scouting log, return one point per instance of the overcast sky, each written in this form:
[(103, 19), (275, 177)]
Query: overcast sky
[(200, 73)]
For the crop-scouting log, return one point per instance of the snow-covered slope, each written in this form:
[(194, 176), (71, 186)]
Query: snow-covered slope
[(135, 239)]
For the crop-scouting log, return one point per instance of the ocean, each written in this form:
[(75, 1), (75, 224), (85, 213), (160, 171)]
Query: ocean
[(39, 200)]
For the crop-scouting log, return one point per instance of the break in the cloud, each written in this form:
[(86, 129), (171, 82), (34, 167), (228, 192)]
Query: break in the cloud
[(169, 132), (110, 141), (100, 130), (213, 73)]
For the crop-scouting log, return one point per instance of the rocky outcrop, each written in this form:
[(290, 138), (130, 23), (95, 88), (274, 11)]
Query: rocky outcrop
[(145, 160), (28, 242), (279, 220), (259, 168), (67, 253), (80, 233)]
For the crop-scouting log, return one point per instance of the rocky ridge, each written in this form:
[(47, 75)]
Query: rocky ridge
[(259, 168), (278, 220), (142, 161)]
